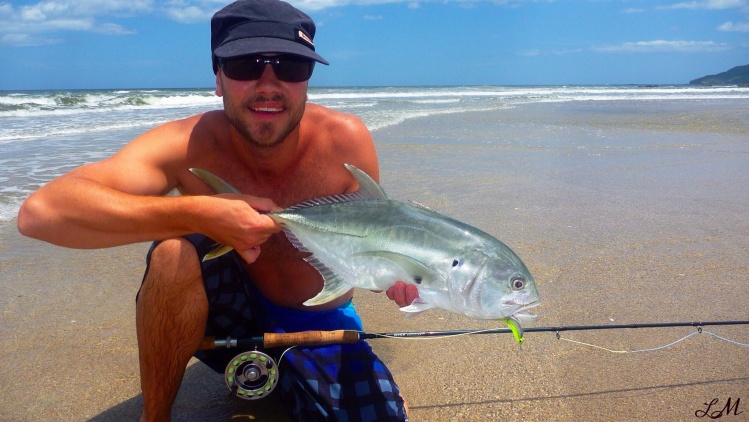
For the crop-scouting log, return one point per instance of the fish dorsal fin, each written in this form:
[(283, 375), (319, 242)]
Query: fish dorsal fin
[(417, 270), (214, 182), (326, 200), (368, 190)]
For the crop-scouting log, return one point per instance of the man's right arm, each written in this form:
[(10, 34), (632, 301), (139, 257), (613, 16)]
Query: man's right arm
[(120, 200)]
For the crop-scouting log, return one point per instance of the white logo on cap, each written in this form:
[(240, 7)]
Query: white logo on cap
[(304, 36)]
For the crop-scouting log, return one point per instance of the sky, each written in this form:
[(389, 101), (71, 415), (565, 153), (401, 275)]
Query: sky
[(110, 44)]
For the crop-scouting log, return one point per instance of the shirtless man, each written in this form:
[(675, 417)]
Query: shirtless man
[(277, 150)]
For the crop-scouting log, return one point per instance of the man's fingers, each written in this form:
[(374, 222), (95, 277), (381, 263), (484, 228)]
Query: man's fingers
[(250, 255), (411, 293), (402, 294)]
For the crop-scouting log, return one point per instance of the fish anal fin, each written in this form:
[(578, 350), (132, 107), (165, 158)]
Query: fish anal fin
[(416, 307), (333, 285)]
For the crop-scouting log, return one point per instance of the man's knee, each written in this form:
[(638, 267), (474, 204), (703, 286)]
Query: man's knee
[(173, 263)]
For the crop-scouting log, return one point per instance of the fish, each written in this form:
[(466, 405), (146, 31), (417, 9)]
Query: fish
[(366, 240)]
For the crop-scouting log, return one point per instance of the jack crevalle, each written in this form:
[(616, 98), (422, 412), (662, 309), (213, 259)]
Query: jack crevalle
[(366, 240)]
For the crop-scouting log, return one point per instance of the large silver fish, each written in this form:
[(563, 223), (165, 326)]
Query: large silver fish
[(366, 240)]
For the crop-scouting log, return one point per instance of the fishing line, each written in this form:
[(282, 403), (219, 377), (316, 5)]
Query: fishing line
[(429, 337), (653, 349), (280, 358), (435, 335)]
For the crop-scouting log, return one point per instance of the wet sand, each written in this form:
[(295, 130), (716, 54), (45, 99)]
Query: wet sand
[(624, 215)]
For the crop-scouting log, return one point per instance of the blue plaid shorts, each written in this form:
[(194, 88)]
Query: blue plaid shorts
[(335, 382)]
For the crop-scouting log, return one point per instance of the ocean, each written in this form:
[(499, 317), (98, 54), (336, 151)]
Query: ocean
[(628, 204), (44, 134)]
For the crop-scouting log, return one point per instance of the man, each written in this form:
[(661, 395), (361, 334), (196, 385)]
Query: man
[(277, 151)]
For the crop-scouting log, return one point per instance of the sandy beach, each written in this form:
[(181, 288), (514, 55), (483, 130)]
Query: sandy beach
[(624, 213)]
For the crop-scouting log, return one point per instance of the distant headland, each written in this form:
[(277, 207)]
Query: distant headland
[(739, 75)]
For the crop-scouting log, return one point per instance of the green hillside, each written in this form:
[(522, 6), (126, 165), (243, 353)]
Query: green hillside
[(739, 75)]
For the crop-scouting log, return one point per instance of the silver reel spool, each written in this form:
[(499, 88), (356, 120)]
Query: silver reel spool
[(251, 375)]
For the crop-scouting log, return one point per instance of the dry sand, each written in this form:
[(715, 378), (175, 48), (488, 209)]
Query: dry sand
[(651, 233)]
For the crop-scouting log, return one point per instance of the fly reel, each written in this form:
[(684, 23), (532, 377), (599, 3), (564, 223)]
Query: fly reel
[(251, 375)]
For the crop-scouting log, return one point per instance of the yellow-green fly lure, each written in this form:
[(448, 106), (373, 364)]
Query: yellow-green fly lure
[(516, 328)]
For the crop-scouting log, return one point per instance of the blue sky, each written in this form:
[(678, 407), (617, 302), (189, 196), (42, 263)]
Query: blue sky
[(70, 44)]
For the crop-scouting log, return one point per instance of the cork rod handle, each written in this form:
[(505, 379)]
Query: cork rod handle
[(310, 338)]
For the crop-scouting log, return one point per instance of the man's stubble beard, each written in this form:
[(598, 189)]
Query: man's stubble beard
[(261, 135)]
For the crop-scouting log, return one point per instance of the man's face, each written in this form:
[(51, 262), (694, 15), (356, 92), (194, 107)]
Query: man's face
[(265, 110)]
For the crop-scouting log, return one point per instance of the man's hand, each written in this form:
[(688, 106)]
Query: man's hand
[(238, 222), (403, 294)]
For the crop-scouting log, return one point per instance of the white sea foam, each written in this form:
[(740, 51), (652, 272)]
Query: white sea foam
[(46, 133)]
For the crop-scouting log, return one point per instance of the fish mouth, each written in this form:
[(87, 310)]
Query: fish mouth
[(521, 316), (524, 317), (522, 308)]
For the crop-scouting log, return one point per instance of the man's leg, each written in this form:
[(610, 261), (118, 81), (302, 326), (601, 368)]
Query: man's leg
[(171, 315)]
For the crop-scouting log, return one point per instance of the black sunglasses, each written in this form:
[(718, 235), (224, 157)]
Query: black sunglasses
[(250, 68)]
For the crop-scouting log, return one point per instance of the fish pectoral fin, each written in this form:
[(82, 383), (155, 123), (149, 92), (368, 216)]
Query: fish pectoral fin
[(333, 285), (417, 270), (416, 307)]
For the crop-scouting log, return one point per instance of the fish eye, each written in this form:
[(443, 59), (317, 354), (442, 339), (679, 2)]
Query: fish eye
[(457, 262), (517, 283)]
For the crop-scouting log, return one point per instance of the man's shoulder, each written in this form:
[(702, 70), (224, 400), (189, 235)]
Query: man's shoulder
[(339, 130), (200, 127), (325, 117), (214, 120)]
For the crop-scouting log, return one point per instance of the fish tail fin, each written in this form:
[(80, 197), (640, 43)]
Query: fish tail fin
[(217, 251)]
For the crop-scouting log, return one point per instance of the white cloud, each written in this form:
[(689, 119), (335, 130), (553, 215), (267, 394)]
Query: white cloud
[(707, 4), (662, 46), (737, 27), (29, 25), (26, 40), (372, 17), (189, 14), (314, 5), (191, 11), (113, 29), (21, 23)]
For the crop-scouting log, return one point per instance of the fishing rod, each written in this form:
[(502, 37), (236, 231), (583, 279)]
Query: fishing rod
[(254, 374)]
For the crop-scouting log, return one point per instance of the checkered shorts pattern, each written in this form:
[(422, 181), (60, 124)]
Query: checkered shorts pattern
[(336, 382), (341, 382)]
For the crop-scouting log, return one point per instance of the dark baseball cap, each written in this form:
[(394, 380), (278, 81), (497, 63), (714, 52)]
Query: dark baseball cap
[(261, 26)]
